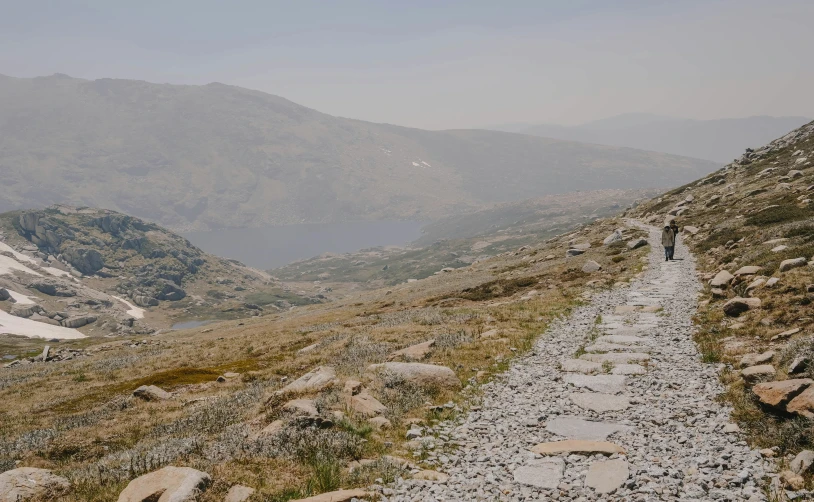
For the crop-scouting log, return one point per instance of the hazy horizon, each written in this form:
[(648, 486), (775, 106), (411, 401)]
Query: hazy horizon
[(423, 65)]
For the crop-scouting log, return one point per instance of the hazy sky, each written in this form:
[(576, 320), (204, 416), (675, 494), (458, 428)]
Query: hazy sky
[(440, 64)]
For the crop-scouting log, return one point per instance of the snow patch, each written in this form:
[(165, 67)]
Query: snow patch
[(27, 259), (8, 265), (132, 311), (13, 325), (20, 298), (415, 164), (425, 164)]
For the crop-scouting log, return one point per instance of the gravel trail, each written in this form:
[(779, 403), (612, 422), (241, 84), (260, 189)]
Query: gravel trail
[(615, 401)]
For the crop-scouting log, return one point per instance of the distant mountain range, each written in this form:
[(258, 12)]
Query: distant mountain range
[(214, 156), (715, 140)]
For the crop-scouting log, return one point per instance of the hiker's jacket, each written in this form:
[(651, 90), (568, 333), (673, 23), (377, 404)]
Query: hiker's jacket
[(668, 238)]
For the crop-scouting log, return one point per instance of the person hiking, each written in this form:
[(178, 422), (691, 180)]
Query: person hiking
[(675, 230), (668, 240)]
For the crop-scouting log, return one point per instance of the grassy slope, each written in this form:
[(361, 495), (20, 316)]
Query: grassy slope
[(75, 416)]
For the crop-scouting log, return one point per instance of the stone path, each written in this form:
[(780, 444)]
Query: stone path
[(638, 387)]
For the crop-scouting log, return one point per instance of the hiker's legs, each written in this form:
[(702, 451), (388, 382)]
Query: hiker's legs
[(666, 253), (672, 251)]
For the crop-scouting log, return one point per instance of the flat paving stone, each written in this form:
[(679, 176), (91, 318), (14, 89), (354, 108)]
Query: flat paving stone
[(628, 369), (599, 402), (623, 339), (581, 366), (542, 473), (580, 428), (601, 347), (607, 476), (609, 384), (577, 446), (616, 357)]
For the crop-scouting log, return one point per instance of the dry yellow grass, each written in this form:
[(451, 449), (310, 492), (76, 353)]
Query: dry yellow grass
[(77, 418)]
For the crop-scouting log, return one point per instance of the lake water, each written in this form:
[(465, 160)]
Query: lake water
[(190, 324), (272, 247)]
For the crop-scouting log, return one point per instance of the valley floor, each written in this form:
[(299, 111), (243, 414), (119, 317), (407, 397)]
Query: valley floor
[(621, 376)]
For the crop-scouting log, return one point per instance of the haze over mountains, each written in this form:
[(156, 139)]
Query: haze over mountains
[(717, 140), (213, 156)]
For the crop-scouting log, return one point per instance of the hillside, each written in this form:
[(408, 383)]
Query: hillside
[(716, 140), (751, 227), (459, 241), (231, 410), (72, 273), (213, 156)]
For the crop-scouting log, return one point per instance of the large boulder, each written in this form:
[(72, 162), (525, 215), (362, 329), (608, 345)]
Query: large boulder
[(424, 375), (239, 493), (4, 294), (803, 404), (778, 394), (738, 305), (144, 300), (170, 484), (753, 359), (759, 372), (365, 404), (151, 393), (170, 291), (25, 310), (315, 380), (786, 265), (636, 243), (615, 237), (413, 352), (747, 270), (78, 321), (52, 287), (721, 279), (591, 266), (86, 260), (30, 483)]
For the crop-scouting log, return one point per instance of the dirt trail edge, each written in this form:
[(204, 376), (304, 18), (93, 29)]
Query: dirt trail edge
[(613, 403)]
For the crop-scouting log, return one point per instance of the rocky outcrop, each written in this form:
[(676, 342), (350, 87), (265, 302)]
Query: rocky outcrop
[(736, 306), (29, 483), (4, 295), (86, 260), (778, 394), (787, 265), (151, 393), (78, 321), (315, 380), (636, 243), (424, 375), (170, 484), (613, 238), (591, 266), (721, 279), (415, 352), (53, 287)]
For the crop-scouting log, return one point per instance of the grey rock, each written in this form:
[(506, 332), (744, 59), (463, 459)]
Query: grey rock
[(608, 476), (580, 428), (544, 473)]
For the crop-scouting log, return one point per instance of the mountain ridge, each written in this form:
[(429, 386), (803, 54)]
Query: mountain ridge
[(218, 156), (718, 140)]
